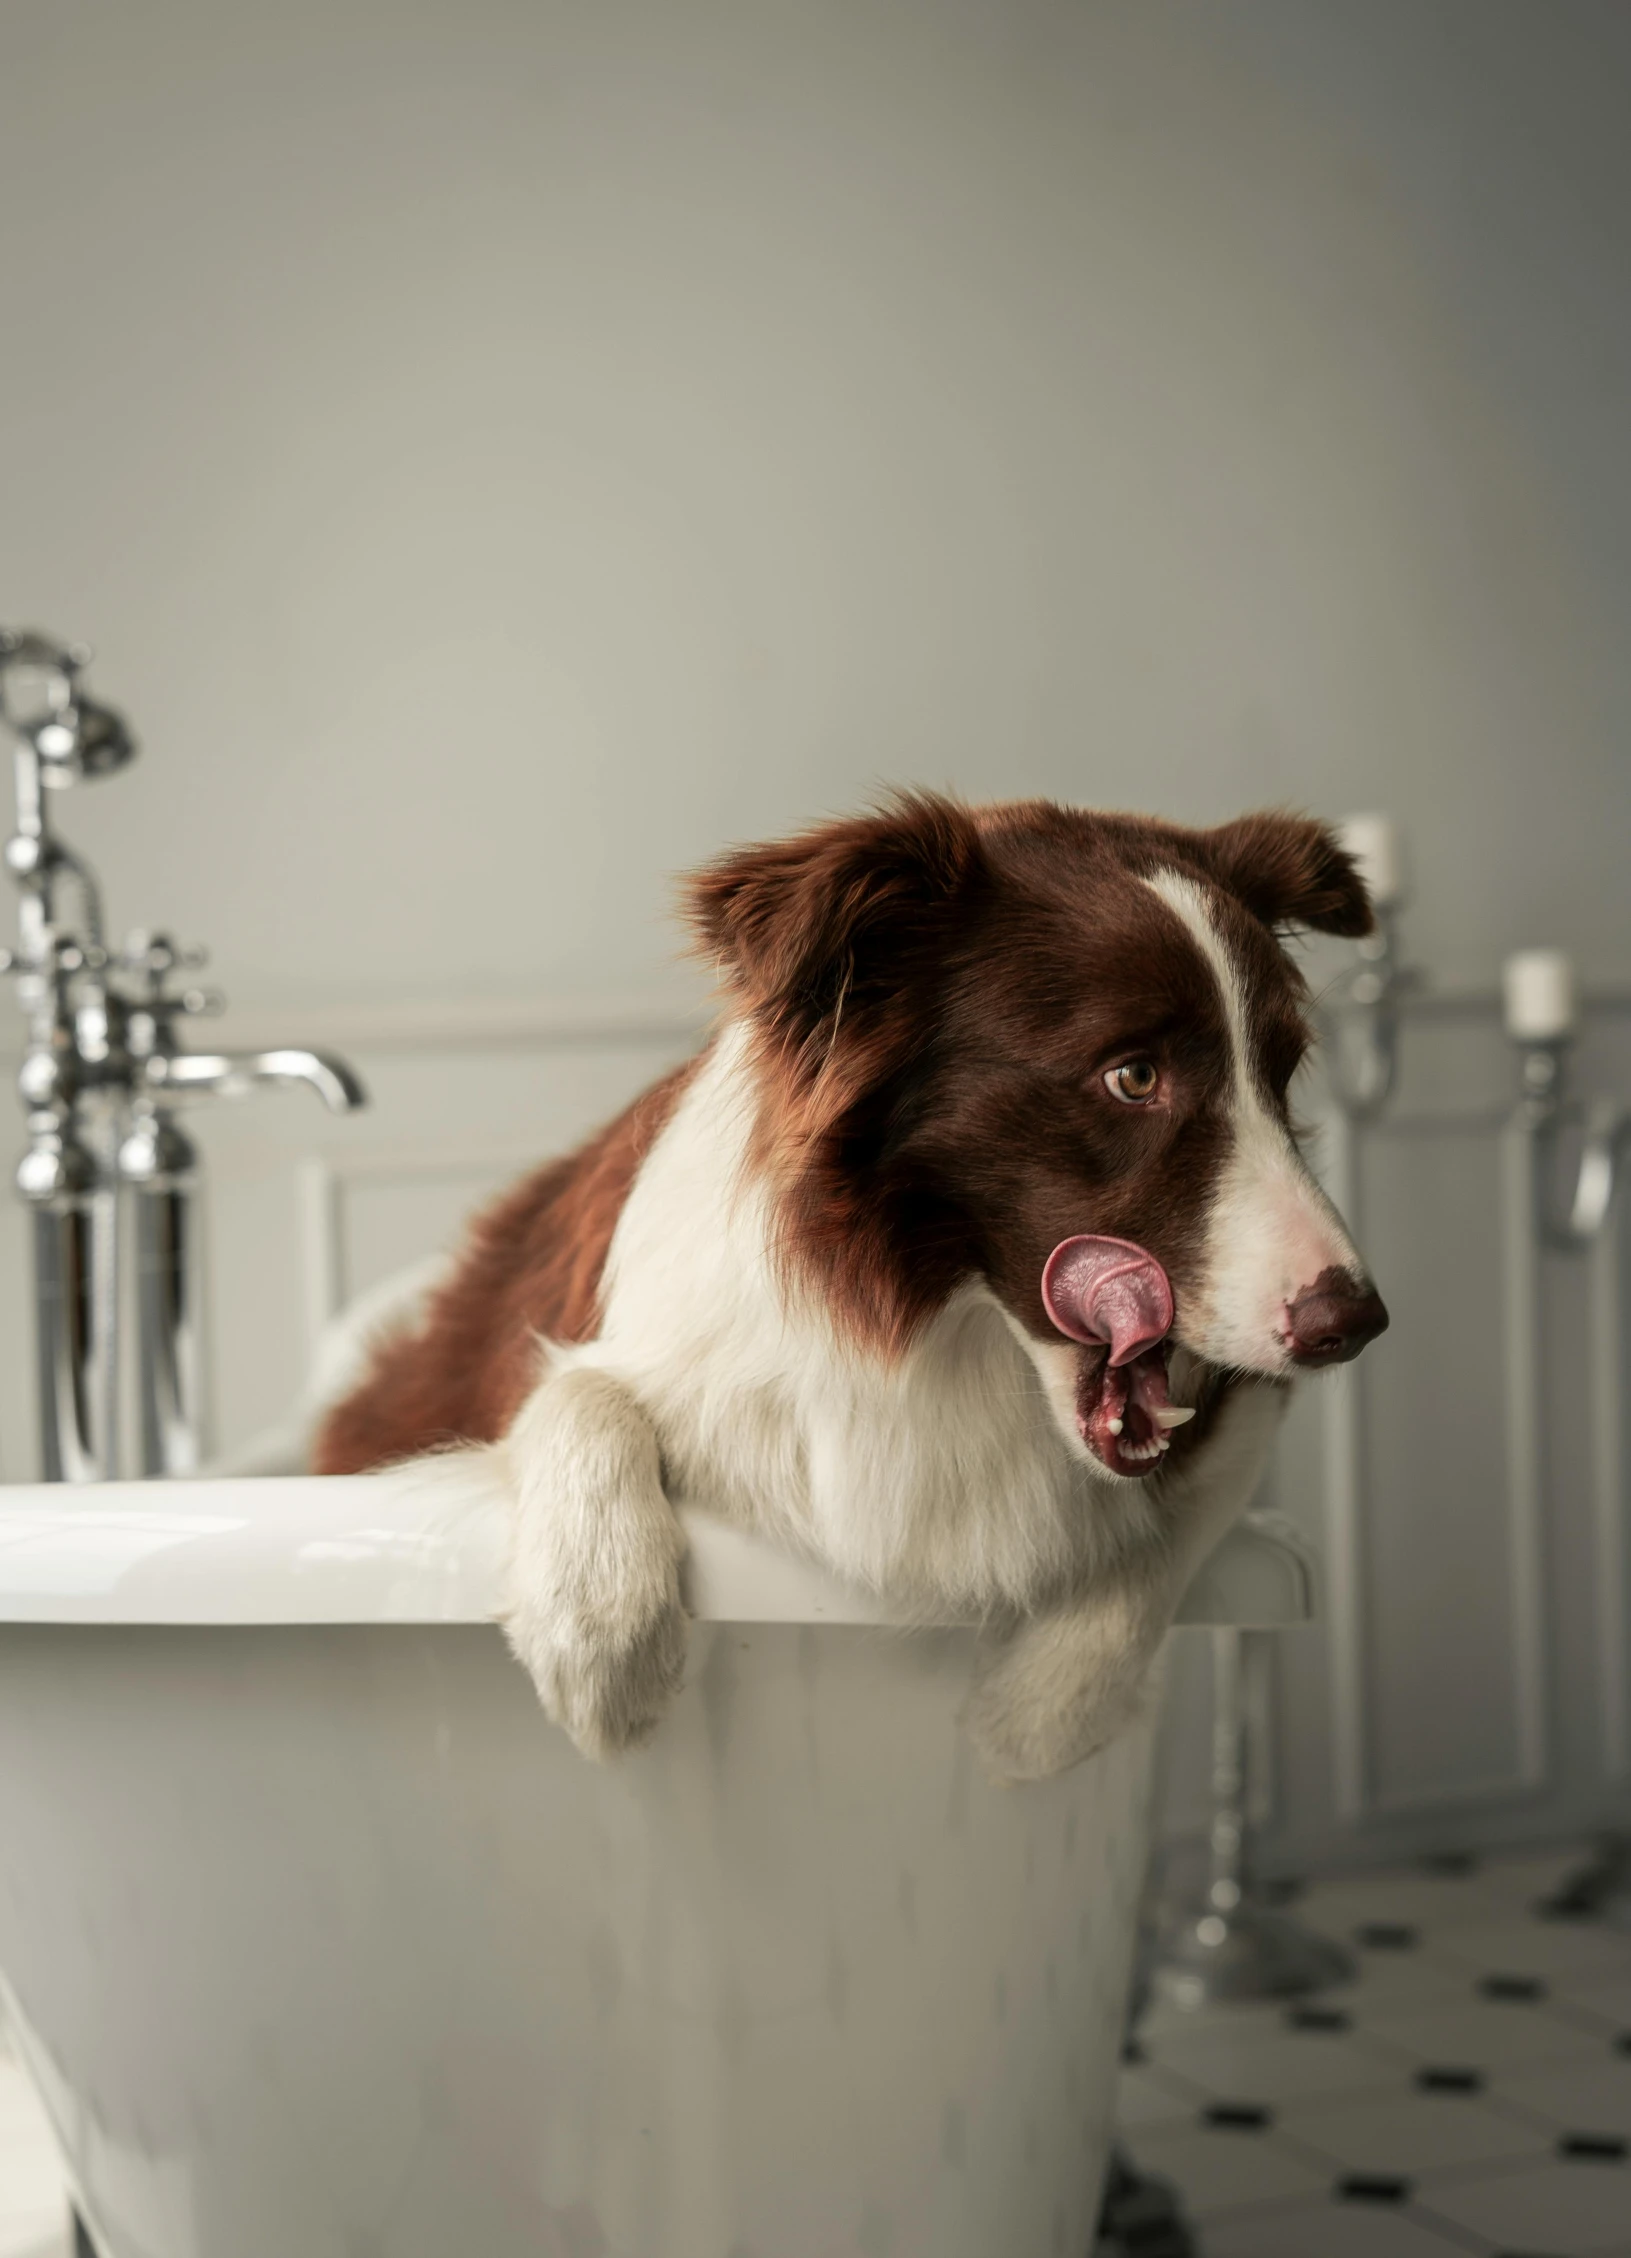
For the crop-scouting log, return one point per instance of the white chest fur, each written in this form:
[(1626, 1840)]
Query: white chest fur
[(943, 1478)]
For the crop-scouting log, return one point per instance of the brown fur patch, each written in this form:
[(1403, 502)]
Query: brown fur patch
[(1289, 870), (532, 1265), (835, 946)]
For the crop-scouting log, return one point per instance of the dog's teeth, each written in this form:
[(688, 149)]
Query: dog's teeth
[(1173, 1414), (1114, 1426)]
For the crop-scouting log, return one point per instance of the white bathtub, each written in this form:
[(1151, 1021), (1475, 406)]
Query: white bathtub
[(320, 1943)]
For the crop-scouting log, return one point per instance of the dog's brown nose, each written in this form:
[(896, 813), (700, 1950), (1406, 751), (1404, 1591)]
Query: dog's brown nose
[(1331, 1320)]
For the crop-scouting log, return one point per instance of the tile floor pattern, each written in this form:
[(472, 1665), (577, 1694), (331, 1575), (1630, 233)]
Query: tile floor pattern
[(1470, 2092)]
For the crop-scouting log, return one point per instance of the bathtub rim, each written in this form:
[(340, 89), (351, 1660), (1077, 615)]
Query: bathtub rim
[(426, 1544)]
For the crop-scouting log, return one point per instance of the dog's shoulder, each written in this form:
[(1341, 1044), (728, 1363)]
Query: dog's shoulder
[(531, 1266)]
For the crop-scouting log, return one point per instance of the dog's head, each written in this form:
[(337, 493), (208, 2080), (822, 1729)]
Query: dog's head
[(981, 1032)]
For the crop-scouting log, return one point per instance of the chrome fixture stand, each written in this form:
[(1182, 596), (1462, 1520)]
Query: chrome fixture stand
[(1238, 1946), (102, 1072), (1582, 1222)]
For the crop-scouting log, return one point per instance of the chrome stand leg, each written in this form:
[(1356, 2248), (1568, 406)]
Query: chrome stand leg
[(1141, 2215), (1236, 1946), (1598, 1890)]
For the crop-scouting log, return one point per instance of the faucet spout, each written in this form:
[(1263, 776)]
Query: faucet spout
[(233, 1074)]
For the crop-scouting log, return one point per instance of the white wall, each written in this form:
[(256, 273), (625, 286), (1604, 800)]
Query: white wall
[(502, 450)]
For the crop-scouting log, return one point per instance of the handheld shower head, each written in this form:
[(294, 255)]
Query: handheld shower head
[(72, 735), (86, 740)]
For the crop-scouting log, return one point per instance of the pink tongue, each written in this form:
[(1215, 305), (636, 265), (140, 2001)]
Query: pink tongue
[(1108, 1290)]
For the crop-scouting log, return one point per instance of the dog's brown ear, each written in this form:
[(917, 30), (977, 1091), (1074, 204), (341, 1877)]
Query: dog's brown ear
[(1289, 870), (839, 912)]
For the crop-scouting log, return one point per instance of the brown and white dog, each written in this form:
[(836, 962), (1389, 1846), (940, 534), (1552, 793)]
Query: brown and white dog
[(803, 1277)]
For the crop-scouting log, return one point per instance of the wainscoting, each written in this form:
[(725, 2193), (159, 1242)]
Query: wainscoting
[(1467, 1681)]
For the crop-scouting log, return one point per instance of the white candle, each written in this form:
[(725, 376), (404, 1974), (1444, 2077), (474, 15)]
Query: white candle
[(1374, 843), (1538, 985)]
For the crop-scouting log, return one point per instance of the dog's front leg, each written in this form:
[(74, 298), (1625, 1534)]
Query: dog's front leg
[(594, 1607), (1051, 1688)]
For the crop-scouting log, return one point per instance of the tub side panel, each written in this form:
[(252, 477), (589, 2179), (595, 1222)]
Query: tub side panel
[(324, 1940)]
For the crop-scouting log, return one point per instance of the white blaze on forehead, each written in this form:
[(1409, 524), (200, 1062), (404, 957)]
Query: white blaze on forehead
[(1271, 1231)]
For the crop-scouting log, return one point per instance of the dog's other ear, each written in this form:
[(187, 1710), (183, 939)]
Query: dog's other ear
[(1289, 870), (842, 911)]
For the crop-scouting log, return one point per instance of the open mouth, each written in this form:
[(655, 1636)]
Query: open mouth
[(1115, 1298), (1123, 1412)]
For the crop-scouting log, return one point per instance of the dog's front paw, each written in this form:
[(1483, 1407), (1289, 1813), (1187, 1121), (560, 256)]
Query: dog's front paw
[(594, 1609), (1018, 1740), (1051, 1695), (606, 1677)]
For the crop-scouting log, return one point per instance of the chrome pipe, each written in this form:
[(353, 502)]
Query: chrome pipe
[(1227, 1836), (1609, 1492), (68, 1058), (1590, 1223), (74, 1341), (1342, 1449), (102, 1070), (1236, 1946), (1541, 1013), (233, 1074), (1525, 1439), (1359, 1020), (158, 1165)]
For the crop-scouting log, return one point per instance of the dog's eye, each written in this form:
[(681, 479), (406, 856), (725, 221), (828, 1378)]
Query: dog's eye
[(1135, 1083)]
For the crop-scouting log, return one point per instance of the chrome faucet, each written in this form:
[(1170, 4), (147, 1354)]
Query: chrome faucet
[(108, 1169)]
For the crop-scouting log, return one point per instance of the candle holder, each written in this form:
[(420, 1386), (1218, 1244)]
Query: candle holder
[(1542, 1011), (1360, 1012)]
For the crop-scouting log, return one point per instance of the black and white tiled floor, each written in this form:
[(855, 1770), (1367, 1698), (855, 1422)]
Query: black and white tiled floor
[(1471, 2092)]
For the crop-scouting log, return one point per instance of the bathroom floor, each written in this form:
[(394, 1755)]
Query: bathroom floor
[(1470, 2092)]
